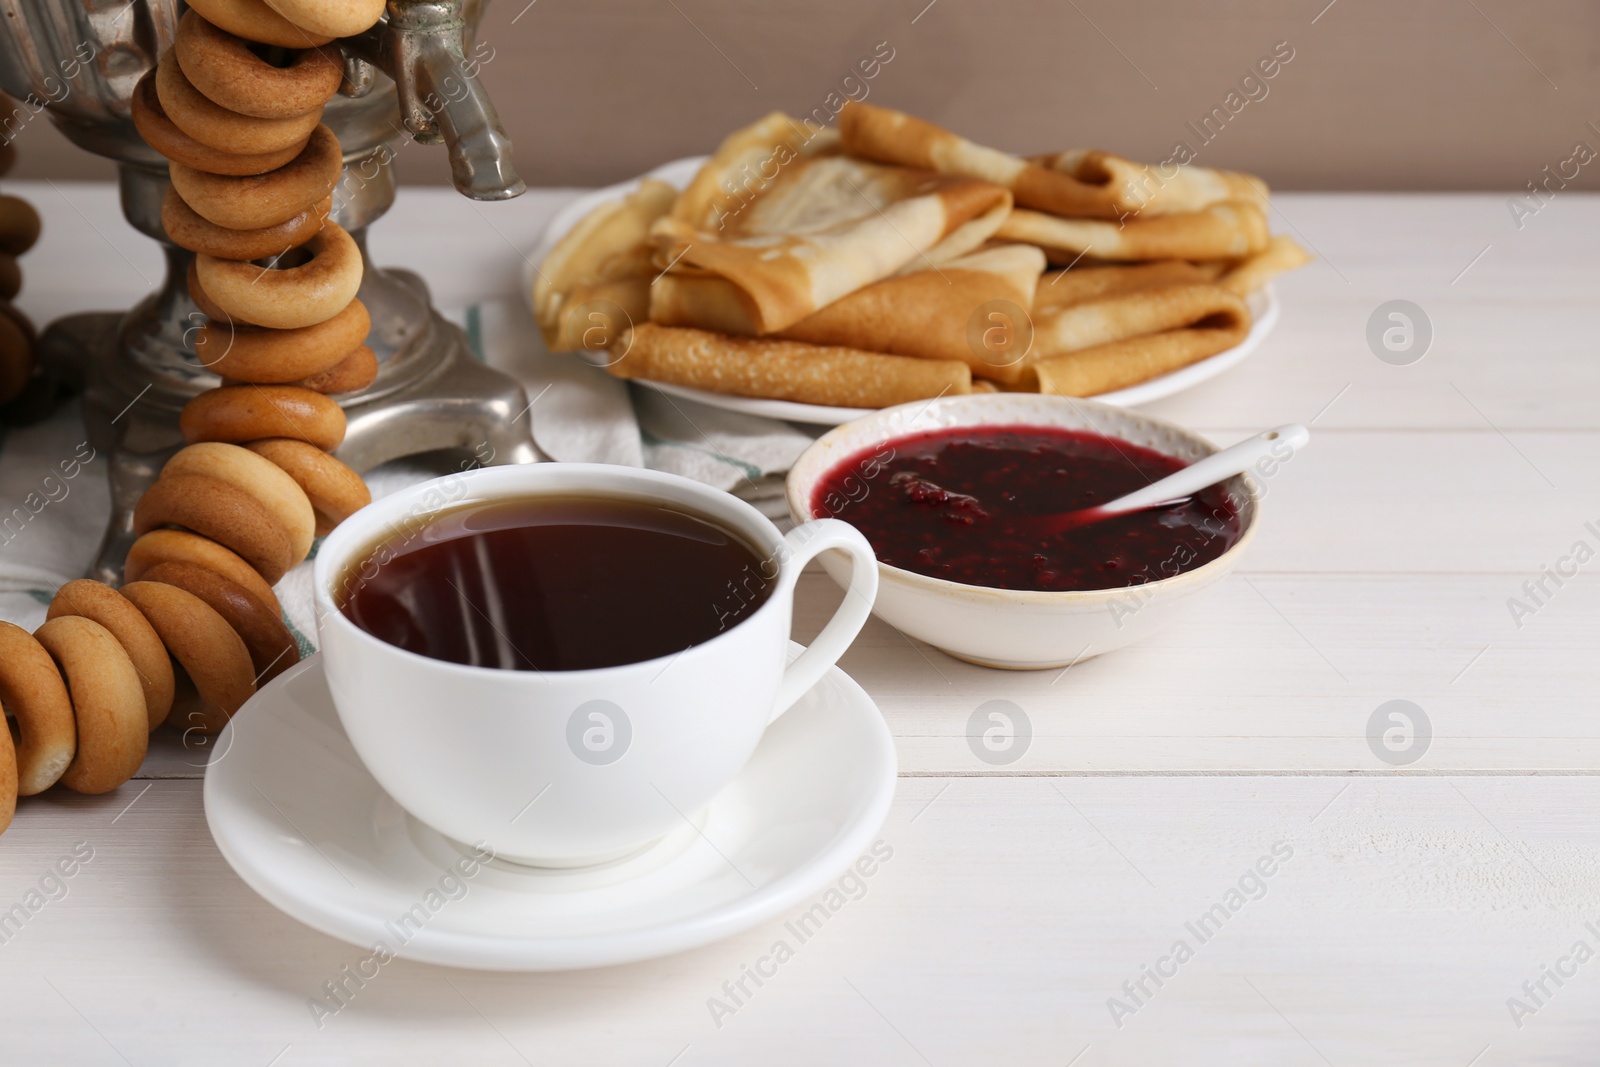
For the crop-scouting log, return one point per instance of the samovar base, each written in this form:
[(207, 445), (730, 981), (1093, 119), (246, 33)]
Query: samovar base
[(445, 399)]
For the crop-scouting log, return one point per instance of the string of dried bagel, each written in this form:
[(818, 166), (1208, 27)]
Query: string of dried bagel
[(19, 229), (235, 106)]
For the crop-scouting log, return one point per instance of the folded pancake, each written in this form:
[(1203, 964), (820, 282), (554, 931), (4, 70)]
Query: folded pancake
[(973, 309), (783, 370), (1078, 184), (1251, 273), (1137, 313), (600, 266), (746, 162), (1152, 189), (1063, 288), (1120, 364), (1233, 229), (815, 227)]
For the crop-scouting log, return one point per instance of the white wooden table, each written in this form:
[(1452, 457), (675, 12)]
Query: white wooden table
[(1408, 903)]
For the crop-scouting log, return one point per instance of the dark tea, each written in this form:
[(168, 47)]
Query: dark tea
[(556, 583)]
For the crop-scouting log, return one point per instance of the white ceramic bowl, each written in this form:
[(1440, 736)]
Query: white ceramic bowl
[(1011, 628)]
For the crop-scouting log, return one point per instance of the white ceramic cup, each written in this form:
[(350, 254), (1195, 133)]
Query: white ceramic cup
[(568, 768)]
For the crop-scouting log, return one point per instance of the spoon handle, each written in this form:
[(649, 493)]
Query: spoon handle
[(1216, 467)]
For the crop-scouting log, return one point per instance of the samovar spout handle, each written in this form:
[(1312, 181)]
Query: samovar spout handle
[(421, 46)]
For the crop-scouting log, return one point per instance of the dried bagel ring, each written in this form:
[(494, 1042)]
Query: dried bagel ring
[(356, 371), (241, 413), (261, 200), (222, 66), (19, 225), (282, 356), (21, 321), (159, 132), (188, 229), (202, 300), (223, 512), (257, 476), (255, 21), (335, 491), (288, 298), (216, 126), (271, 646), (181, 546), (8, 781), (32, 691), (102, 604), (336, 18), (16, 359), (10, 276), (218, 676), (107, 703)]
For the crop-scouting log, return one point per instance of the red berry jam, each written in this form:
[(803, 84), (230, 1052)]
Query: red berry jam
[(968, 504)]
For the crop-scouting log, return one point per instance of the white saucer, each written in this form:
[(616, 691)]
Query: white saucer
[(1264, 311), (302, 822)]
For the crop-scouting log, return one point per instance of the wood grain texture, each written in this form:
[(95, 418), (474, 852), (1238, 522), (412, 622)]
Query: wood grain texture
[(1405, 915)]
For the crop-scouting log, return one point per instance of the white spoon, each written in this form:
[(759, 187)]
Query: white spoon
[(1216, 467)]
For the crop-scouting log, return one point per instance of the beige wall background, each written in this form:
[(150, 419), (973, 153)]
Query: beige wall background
[(1379, 94)]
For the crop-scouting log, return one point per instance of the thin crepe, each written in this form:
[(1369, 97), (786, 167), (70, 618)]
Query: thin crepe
[(1123, 337), (746, 162), (1120, 364), (1134, 313), (783, 370), (1081, 183), (810, 228), (600, 271), (1253, 272), (1063, 288), (1147, 189), (1230, 230), (973, 309)]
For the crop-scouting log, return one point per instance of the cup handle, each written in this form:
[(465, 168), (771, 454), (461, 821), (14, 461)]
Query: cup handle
[(804, 543)]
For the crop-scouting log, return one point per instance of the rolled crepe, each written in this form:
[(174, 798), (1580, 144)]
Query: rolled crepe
[(783, 370), (1063, 288), (1230, 230), (973, 309), (814, 228), (602, 264), (1079, 183), (594, 315), (1153, 189), (1120, 364), (1139, 313), (1251, 273)]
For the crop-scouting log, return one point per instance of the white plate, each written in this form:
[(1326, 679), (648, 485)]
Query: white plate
[(302, 822), (678, 174)]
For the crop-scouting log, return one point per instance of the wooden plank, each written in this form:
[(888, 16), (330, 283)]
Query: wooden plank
[(1273, 673), (1434, 502), (1399, 918)]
